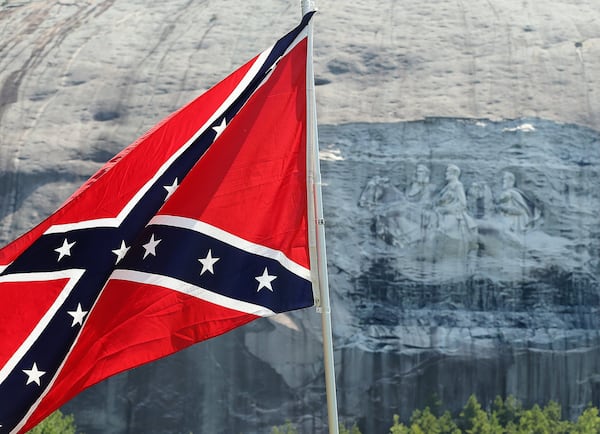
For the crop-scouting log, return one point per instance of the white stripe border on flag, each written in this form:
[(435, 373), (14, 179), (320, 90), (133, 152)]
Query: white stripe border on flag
[(192, 290), (73, 275), (232, 240)]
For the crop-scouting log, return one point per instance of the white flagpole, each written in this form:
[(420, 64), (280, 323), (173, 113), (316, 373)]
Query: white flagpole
[(317, 228)]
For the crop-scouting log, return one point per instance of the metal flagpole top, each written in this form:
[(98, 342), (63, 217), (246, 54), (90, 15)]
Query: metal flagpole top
[(308, 6)]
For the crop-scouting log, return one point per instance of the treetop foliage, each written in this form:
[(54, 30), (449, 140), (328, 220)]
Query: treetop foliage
[(505, 416)]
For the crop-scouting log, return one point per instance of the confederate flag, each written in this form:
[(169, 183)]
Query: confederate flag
[(198, 227)]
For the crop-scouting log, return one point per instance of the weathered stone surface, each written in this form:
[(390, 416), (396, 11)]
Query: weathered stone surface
[(81, 80), (429, 315)]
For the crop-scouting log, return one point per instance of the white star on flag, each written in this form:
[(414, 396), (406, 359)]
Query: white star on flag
[(34, 374), (121, 252), (171, 188), (150, 247), (264, 280), (64, 250), (77, 315), (220, 128), (207, 263)]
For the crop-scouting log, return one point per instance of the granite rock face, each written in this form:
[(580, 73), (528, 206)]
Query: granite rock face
[(435, 295), (487, 283)]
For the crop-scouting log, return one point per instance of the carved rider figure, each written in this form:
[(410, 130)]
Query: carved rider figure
[(420, 189), (514, 205), (451, 208)]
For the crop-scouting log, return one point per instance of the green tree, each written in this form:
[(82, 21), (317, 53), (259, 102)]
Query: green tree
[(435, 404), (288, 428), (504, 417), (398, 427), (472, 416), (495, 425), (534, 421), (507, 411), (352, 430), (553, 413), (425, 421), (56, 423), (544, 421), (588, 422), (447, 424)]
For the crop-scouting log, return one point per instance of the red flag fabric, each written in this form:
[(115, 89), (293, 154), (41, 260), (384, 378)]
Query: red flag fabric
[(198, 227)]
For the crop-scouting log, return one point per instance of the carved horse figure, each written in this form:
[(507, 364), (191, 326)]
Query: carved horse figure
[(379, 190)]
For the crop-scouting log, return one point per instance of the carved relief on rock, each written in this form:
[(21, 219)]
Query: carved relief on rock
[(399, 216), (447, 221), (518, 211)]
